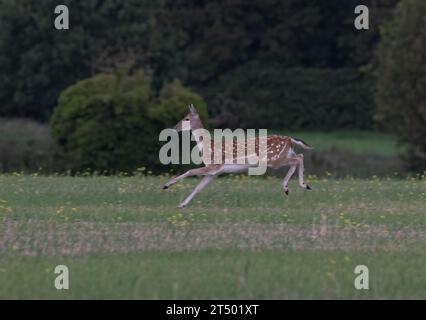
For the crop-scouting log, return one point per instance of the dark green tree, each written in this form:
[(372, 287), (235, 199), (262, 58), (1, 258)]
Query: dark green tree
[(251, 60), (37, 61), (401, 92)]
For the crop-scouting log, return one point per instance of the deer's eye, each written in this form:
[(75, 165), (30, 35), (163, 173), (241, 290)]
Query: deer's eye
[(187, 119)]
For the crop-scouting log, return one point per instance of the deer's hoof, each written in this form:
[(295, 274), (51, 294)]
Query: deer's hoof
[(165, 187), (308, 187), (286, 192), (182, 206)]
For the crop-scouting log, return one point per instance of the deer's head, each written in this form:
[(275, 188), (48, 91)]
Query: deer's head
[(191, 121)]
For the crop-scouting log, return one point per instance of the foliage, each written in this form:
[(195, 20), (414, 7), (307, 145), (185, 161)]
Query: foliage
[(278, 64), (172, 102), (111, 122), (402, 80), (293, 98), (199, 42), (26, 145), (37, 61)]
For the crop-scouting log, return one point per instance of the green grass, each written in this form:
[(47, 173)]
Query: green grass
[(361, 142), (124, 237)]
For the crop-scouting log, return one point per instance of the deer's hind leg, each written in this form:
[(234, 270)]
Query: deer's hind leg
[(301, 170), (293, 165)]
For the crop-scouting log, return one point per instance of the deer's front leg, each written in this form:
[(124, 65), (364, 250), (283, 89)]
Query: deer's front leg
[(189, 173), (203, 183)]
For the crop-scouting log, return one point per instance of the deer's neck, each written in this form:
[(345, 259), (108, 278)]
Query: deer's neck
[(198, 132)]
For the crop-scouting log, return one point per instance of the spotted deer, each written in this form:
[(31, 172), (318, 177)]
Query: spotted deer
[(279, 153)]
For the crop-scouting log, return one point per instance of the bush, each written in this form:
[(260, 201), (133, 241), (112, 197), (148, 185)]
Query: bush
[(111, 122), (293, 98), (171, 104), (26, 145), (401, 93)]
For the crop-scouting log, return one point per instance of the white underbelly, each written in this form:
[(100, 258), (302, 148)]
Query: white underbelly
[(235, 168)]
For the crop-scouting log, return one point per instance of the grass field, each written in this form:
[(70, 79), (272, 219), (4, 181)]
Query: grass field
[(123, 237)]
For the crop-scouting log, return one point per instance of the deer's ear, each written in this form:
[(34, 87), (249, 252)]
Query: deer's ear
[(192, 109)]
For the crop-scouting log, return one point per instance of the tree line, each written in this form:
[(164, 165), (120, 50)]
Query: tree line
[(277, 64), (223, 49)]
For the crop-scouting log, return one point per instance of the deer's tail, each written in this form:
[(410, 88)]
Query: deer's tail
[(301, 143)]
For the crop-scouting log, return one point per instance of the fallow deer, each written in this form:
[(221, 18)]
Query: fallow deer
[(279, 153)]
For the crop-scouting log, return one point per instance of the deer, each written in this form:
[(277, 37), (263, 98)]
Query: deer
[(279, 152)]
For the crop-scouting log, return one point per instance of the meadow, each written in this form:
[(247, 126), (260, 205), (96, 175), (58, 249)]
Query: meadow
[(124, 238)]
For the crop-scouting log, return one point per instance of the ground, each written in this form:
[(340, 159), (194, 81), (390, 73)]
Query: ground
[(124, 237)]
